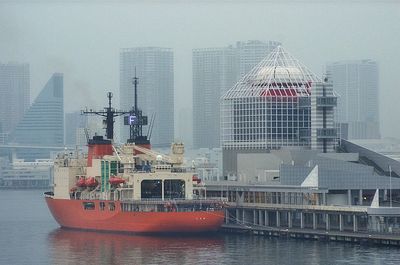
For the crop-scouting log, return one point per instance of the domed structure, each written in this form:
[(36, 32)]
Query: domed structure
[(272, 106)]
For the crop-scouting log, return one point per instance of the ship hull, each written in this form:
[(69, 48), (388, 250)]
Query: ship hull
[(71, 214)]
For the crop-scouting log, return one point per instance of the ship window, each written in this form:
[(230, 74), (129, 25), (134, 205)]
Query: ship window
[(102, 206), (111, 206), (174, 189), (88, 205), (151, 189)]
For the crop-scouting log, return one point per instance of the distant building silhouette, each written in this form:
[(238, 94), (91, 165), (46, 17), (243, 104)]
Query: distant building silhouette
[(14, 96), (214, 71), (357, 83), (75, 125), (155, 70), (43, 123)]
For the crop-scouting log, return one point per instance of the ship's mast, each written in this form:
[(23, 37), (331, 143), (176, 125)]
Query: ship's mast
[(137, 120), (109, 113)]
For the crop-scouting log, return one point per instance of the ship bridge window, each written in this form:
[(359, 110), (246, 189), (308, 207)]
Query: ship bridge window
[(151, 189), (174, 189), (88, 205)]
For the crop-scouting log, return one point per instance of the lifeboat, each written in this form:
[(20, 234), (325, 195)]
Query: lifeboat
[(91, 182), (196, 179), (81, 182), (116, 180)]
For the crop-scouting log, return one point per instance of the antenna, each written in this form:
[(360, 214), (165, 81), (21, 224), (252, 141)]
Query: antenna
[(153, 117), (87, 134), (136, 120), (109, 113)]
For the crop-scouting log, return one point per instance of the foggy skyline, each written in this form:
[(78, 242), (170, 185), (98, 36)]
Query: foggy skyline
[(83, 40)]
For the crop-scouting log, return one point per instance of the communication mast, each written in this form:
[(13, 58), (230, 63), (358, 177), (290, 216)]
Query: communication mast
[(109, 113), (136, 120)]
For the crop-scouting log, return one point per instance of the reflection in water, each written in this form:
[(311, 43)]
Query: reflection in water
[(72, 247)]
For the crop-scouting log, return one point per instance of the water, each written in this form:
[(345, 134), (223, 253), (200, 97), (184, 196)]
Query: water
[(29, 235)]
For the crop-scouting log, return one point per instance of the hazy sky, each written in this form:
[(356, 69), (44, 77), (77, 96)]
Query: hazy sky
[(82, 39)]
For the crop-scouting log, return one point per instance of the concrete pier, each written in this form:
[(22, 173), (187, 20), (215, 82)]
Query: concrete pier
[(320, 222)]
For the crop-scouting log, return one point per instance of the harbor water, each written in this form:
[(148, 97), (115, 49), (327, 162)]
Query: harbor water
[(29, 235)]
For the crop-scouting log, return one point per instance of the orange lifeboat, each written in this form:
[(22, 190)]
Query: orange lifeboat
[(91, 182), (196, 179), (116, 180), (81, 182)]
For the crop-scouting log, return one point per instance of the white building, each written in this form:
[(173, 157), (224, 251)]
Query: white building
[(357, 85), (215, 70), (279, 103), (154, 67), (22, 174)]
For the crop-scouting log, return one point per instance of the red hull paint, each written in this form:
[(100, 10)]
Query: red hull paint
[(70, 213)]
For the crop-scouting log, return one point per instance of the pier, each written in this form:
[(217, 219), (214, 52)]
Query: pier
[(295, 212)]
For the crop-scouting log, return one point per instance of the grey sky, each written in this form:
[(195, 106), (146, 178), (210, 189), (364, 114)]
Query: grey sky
[(82, 40)]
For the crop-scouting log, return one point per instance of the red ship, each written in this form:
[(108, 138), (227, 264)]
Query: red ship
[(130, 188)]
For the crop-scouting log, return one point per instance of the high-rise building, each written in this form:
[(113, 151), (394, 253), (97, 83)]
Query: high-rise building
[(357, 85), (215, 70), (154, 67), (75, 124), (14, 96), (279, 103), (43, 123)]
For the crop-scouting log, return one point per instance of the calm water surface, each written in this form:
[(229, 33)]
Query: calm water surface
[(29, 235)]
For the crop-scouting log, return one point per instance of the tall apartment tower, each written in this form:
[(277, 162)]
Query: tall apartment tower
[(154, 67), (75, 124), (43, 123), (215, 70), (357, 85), (14, 96)]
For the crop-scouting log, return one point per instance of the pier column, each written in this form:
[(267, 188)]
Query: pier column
[(237, 216), (278, 219), (289, 216), (324, 198), (349, 197), (314, 221), (327, 222), (340, 222), (301, 220), (355, 227), (226, 216), (266, 221), (260, 217), (254, 217), (360, 197), (243, 216)]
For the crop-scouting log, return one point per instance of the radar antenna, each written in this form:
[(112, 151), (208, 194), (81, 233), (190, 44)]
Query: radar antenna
[(109, 113)]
